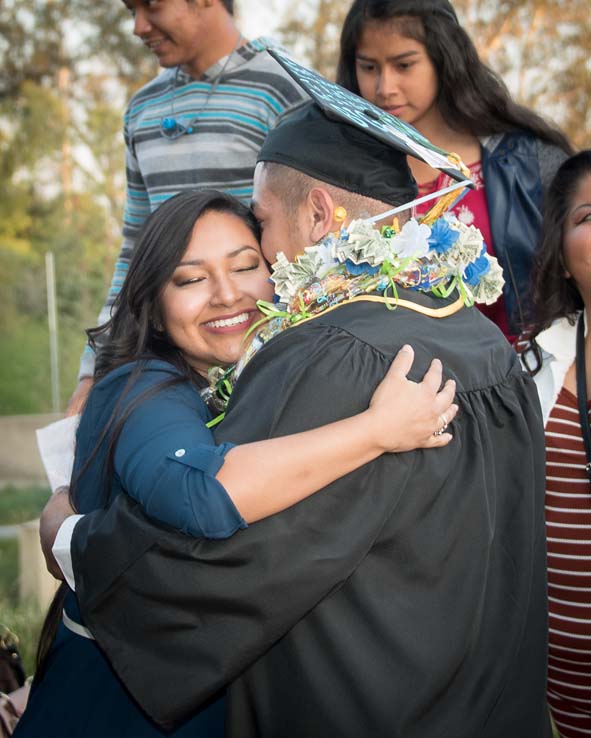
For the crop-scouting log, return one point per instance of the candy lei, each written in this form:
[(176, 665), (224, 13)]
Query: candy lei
[(360, 260)]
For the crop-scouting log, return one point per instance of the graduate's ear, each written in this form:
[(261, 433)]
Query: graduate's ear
[(321, 208)]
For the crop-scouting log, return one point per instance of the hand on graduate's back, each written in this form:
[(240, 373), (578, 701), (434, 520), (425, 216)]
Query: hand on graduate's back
[(54, 513), (409, 415)]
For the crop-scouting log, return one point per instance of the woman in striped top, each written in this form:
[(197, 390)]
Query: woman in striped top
[(562, 297)]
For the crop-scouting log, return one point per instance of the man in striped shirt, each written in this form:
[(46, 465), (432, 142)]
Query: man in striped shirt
[(199, 123)]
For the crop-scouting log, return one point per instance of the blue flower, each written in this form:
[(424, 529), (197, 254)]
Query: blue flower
[(442, 237), (473, 272), (363, 268)]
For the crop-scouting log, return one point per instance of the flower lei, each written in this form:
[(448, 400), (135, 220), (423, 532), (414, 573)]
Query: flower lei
[(361, 259)]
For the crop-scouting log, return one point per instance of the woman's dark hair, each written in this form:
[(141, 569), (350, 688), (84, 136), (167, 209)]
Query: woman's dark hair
[(553, 294), (136, 333), (471, 97)]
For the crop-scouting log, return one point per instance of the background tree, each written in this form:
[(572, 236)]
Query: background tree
[(542, 49), (312, 29), (67, 69)]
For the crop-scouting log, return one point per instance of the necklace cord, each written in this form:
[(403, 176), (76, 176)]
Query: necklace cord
[(169, 127)]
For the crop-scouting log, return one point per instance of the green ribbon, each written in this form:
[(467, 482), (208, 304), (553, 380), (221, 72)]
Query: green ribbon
[(215, 421), (442, 291), (467, 296), (269, 310), (390, 271)]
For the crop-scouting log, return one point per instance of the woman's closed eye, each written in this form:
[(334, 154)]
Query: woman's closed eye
[(249, 268), (189, 280), (186, 279)]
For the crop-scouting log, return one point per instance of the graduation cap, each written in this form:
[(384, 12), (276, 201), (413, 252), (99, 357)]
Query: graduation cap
[(347, 141)]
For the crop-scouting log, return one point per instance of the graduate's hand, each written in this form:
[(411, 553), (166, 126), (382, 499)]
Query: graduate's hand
[(409, 415), (54, 513)]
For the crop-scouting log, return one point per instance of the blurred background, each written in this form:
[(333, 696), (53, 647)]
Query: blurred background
[(66, 69)]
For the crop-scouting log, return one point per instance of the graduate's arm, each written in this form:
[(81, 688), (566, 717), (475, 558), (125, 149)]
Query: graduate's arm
[(166, 458), (402, 416), (168, 465), (216, 606)]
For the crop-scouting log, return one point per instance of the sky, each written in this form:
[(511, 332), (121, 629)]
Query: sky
[(259, 17)]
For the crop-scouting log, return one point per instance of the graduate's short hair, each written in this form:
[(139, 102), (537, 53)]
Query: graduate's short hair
[(292, 187)]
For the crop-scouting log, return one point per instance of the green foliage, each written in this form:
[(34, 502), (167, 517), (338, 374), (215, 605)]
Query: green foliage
[(19, 504), (25, 621), (25, 382), (80, 237), (8, 573), (61, 179), (24, 385)]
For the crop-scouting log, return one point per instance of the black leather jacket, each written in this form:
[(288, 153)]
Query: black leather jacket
[(517, 169)]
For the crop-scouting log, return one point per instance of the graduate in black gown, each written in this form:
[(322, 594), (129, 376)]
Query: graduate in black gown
[(406, 601)]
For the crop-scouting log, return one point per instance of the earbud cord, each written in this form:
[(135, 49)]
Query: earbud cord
[(213, 88)]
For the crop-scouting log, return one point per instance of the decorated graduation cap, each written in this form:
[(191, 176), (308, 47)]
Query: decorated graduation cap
[(344, 140)]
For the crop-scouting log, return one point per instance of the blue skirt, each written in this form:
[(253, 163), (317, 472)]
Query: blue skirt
[(80, 696)]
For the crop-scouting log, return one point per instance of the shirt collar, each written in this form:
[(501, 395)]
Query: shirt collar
[(559, 339)]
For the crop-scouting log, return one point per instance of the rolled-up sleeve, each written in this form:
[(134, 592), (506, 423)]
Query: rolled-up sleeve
[(166, 460)]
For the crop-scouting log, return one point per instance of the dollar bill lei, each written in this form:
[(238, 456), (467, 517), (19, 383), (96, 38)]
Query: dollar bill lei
[(358, 260)]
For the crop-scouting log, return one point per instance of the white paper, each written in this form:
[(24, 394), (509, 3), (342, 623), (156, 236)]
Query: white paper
[(56, 443)]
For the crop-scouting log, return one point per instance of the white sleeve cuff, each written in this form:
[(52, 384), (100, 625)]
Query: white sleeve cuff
[(61, 548)]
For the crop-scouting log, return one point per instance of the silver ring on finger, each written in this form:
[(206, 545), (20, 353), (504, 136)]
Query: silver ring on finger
[(441, 431)]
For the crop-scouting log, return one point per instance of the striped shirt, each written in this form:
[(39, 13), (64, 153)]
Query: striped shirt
[(252, 95), (568, 525)]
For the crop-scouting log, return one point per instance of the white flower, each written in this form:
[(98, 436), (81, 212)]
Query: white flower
[(465, 215), (412, 241)]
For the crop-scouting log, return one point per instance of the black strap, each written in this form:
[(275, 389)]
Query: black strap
[(582, 392)]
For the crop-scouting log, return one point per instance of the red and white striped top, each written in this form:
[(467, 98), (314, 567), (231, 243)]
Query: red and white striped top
[(568, 526)]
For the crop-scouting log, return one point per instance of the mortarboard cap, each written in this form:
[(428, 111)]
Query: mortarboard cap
[(344, 140)]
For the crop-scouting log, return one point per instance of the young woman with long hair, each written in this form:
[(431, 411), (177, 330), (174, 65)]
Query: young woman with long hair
[(414, 60), (557, 352)]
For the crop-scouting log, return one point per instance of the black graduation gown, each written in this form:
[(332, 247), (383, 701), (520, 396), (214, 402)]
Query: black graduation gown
[(406, 600)]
